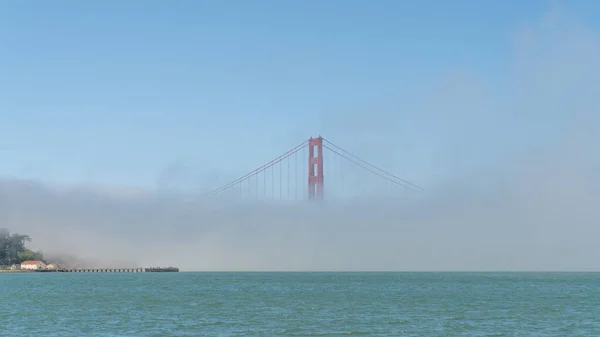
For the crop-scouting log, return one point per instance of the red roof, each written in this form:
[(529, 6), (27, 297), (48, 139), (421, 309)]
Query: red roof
[(30, 262)]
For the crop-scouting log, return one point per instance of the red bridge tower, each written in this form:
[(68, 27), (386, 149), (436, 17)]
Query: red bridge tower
[(315, 168)]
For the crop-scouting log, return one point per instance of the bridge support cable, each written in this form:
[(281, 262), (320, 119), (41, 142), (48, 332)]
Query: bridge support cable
[(368, 166), (373, 169), (261, 170)]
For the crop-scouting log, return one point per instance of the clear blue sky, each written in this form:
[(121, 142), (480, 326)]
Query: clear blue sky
[(114, 92)]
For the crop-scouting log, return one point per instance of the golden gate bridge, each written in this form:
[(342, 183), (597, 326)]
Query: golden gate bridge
[(300, 173)]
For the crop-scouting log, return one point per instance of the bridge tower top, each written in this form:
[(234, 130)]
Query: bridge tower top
[(315, 169)]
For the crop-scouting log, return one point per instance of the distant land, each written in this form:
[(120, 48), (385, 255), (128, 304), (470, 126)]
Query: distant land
[(15, 257), (13, 250)]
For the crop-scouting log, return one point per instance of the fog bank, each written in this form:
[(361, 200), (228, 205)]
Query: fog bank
[(534, 208)]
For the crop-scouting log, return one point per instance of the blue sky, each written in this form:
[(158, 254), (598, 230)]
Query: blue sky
[(140, 95), (115, 93)]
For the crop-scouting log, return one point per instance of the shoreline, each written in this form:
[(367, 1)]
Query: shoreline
[(96, 270)]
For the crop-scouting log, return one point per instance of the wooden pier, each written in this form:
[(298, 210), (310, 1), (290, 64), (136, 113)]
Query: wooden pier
[(111, 270), (103, 270)]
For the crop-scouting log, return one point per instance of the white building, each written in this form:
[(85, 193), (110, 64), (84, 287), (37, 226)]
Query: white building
[(33, 265), (52, 266)]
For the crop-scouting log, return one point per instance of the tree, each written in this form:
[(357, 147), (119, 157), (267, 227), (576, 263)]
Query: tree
[(13, 250), (28, 255)]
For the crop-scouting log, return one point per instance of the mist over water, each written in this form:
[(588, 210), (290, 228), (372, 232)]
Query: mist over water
[(533, 208)]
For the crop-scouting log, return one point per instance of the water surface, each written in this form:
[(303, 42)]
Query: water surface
[(300, 304)]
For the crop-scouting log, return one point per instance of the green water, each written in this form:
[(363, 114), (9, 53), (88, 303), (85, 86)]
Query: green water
[(300, 304)]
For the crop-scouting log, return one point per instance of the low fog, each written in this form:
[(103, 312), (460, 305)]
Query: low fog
[(534, 207)]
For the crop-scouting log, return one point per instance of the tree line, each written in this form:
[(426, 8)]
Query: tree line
[(13, 250)]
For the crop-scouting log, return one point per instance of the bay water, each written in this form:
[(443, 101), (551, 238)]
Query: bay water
[(299, 304)]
